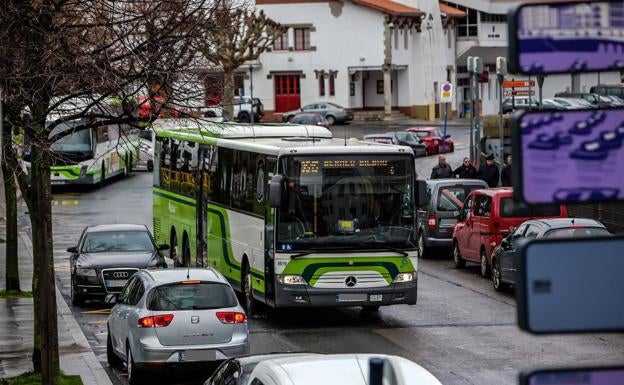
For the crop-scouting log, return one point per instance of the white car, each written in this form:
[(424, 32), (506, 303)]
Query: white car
[(242, 108), (146, 150), (315, 369)]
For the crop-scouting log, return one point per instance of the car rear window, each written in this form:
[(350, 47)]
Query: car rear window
[(511, 209), (452, 198), (576, 232), (117, 241), (197, 296)]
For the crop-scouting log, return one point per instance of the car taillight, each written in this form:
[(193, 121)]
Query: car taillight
[(431, 222), (156, 321), (231, 317)]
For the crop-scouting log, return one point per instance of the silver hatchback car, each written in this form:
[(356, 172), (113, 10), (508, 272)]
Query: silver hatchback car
[(170, 318)]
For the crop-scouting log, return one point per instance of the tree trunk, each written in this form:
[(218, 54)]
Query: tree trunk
[(10, 197), (228, 94), (41, 218)]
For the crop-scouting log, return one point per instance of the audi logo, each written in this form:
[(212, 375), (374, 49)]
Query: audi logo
[(120, 274)]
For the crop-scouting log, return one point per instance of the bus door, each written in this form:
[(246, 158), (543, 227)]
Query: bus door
[(200, 210), (269, 234)]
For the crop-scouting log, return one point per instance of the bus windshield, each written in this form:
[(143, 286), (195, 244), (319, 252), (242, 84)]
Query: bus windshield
[(79, 141), (355, 202)]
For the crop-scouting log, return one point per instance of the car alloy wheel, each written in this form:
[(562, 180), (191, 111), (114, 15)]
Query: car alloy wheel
[(330, 120), (496, 275), (248, 290), (457, 259), (421, 245), (485, 269)]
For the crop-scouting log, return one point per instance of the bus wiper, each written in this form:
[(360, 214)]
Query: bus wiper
[(329, 249)]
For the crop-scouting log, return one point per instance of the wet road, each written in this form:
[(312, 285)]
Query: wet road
[(461, 330)]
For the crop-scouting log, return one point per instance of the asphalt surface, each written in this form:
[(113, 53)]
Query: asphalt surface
[(461, 329)]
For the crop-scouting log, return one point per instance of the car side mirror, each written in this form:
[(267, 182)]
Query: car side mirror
[(276, 184), (163, 247), (505, 244), (110, 299), (73, 250), (421, 198)]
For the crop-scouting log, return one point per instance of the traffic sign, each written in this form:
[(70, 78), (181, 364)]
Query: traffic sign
[(518, 93), (518, 83), (446, 93)]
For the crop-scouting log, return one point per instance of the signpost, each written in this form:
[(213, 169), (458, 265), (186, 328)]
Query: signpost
[(518, 93), (518, 83), (501, 71), (446, 97)]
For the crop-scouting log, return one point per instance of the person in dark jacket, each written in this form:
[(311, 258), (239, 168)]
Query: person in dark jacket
[(466, 170), (506, 173), (441, 170), (488, 172)]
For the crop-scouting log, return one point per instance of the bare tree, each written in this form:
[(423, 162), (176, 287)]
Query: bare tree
[(243, 35), (56, 52), (9, 168)]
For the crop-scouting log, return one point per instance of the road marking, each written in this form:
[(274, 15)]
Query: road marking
[(98, 322), (98, 311)]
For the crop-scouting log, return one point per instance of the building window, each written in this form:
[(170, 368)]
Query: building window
[(332, 85), (380, 86), (491, 18), (321, 85), (302, 39), (281, 42), (351, 89), (467, 26), (405, 38), (396, 38)]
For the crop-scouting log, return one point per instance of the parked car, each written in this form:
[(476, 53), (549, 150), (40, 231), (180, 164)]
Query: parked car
[(332, 112), (608, 89), (594, 99), (401, 138), (506, 254), (171, 318), (574, 103), (242, 109), (616, 101), (523, 102), (146, 150), (437, 219), (485, 219), (106, 256), (310, 368), (310, 119), (432, 137)]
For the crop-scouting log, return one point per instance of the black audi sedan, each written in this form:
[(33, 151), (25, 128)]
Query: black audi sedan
[(107, 256)]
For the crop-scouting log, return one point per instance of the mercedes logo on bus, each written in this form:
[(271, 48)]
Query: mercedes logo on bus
[(350, 281), (120, 274)]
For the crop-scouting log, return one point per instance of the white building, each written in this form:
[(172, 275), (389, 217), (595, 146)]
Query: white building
[(333, 51)]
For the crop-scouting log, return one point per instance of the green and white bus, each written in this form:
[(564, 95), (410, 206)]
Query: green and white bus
[(338, 229), (88, 156)]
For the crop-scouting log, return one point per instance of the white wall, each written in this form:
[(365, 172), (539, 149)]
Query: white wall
[(340, 42)]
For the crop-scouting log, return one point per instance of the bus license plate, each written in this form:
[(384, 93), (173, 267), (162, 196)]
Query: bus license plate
[(351, 297), (376, 297)]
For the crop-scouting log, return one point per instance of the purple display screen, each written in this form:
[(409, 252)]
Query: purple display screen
[(579, 377), (571, 156), (556, 38)]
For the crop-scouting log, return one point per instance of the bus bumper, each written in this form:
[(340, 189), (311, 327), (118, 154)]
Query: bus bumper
[(305, 295)]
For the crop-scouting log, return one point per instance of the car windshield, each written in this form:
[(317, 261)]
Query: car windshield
[(574, 232), (304, 119), (512, 209), (117, 241), (79, 141), (346, 201), (412, 138), (191, 296), (452, 198)]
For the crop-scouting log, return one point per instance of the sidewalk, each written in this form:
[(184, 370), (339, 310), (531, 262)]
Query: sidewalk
[(16, 324)]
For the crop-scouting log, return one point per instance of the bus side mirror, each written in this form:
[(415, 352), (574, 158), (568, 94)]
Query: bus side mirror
[(421, 193), (275, 191)]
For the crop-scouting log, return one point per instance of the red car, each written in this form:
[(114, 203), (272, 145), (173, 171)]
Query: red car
[(432, 138), (486, 217)]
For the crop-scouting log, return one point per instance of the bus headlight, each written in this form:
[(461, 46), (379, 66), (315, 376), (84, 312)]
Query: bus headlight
[(404, 277), (291, 280)]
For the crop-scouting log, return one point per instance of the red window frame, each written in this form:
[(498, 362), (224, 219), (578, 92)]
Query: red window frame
[(321, 85), (302, 39), (332, 85)]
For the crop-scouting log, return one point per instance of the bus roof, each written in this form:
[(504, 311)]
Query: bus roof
[(275, 139)]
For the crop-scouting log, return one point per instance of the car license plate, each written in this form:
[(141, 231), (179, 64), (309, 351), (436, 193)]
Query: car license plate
[(351, 297), (197, 355), (448, 222), (116, 282), (375, 297)]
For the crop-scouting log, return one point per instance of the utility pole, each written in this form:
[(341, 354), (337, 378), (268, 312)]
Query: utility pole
[(251, 99), (540, 85), (470, 65), (501, 71), (478, 69)]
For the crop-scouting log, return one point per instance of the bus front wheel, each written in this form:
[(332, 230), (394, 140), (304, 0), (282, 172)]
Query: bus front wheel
[(247, 288)]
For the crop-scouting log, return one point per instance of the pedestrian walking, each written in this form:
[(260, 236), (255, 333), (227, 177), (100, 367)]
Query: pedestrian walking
[(466, 170), (442, 169), (488, 172), (506, 173)]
